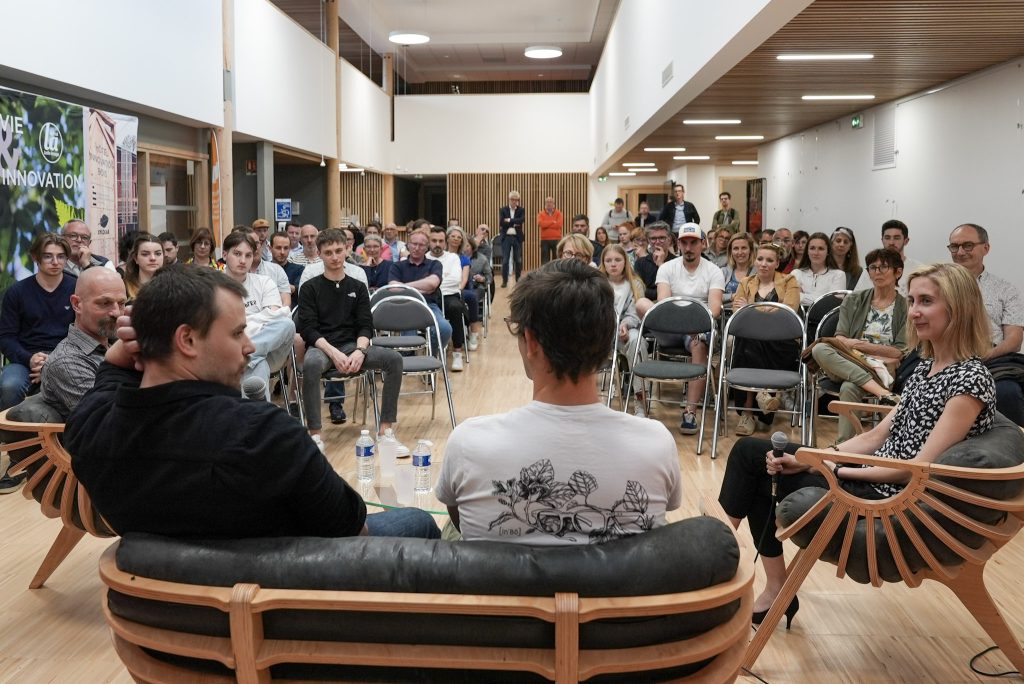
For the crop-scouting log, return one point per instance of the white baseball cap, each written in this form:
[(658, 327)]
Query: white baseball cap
[(690, 230)]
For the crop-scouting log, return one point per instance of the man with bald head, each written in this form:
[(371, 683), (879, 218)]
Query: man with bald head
[(70, 369), (309, 253)]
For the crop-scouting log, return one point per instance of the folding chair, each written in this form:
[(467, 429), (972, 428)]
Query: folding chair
[(675, 317), (398, 313), (816, 312), (398, 341), (820, 382), (766, 322), (610, 370)]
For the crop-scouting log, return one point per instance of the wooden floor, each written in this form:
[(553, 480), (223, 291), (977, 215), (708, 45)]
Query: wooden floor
[(843, 633)]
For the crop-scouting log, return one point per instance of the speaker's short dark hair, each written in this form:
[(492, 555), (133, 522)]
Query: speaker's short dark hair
[(238, 237), (178, 295), (42, 240), (168, 237), (330, 236), (568, 306), (886, 256), (896, 223)]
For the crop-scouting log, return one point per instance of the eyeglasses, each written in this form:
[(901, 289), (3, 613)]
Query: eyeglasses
[(513, 326), (968, 247), (879, 268), (569, 254), (48, 257), (75, 237), (203, 243), (658, 238)]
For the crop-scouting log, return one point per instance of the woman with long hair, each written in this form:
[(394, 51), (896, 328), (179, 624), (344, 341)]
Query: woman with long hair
[(844, 251), (817, 272), (740, 264), (201, 246), (800, 238), (145, 259), (950, 397), (629, 292), (457, 239)]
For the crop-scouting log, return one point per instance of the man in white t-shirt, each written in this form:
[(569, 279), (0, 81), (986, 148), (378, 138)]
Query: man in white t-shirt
[(564, 469), (895, 236), (454, 277), (699, 278), (267, 323)]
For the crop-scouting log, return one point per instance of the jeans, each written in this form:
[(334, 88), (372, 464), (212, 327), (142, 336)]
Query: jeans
[(443, 325), (273, 344), (1010, 400), (472, 302), (403, 522), (548, 250), (317, 363), (508, 246), (14, 385)]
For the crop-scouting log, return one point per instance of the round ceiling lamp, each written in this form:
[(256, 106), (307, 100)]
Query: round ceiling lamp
[(543, 52), (408, 37)]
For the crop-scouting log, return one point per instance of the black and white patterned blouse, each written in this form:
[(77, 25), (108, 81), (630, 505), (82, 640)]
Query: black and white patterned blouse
[(922, 404)]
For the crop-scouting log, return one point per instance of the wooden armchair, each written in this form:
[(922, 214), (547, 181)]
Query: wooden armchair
[(52, 483), (944, 525)]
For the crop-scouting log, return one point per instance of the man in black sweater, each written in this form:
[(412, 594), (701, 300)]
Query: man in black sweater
[(174, 450), (335, 324)]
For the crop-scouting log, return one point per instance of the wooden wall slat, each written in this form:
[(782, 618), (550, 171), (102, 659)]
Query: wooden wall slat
[(475, 198), (362, 195)]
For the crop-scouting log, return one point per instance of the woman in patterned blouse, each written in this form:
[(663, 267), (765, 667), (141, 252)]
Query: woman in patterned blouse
[(949, 398)]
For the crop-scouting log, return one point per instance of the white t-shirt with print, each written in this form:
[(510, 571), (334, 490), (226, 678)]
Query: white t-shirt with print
[(698, 284), (260, 293), (549, 475)]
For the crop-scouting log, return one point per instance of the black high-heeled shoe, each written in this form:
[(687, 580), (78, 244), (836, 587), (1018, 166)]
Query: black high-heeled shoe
[(794, 605)]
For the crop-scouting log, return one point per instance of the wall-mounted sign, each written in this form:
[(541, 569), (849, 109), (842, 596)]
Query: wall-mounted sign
[(283, 209)]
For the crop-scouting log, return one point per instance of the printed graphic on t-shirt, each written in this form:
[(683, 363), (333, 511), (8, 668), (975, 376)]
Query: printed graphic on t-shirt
[(544, 505)]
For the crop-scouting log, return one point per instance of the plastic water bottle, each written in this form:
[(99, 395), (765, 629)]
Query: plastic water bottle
[(387, 450), (364, 456), (421, 465)]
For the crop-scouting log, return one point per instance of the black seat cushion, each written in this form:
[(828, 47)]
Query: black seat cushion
[(1000, 447)]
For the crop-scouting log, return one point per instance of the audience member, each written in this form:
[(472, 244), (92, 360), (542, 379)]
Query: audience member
[(629, 298), (844, 251), (336, 325), (145, 259), (454, 277), (261, 229), (424, 275), (512, 227), (563, 469), (70, 369), (307, 236), (895, 236), (766, 236), (740, 264), (601, 236), (294, 230), (457, 238), (784, 239), (872, 333), (581, 226), (576, 246), (549, 224), (644, 217), (692, 276), (376, 266), (718, 247), (79, 237), (818, 273), (201, 247), (385, 250), (726, 217), (678, 211), (614, 217), (175, 451), (968, 246), (799, 247), (395, 246), (481, 271), (646, 266), (35, 317), (169, 243), (280, 250), (625, 230)]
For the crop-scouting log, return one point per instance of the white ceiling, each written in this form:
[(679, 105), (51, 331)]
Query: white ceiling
[(485, 39)]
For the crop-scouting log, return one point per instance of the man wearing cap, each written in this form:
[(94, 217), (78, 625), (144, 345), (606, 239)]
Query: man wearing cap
[(679, 211), (699, 278), (262, 229), (615, 217)]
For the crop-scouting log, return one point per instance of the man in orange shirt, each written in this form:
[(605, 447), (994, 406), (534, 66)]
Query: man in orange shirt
[(549, 220)]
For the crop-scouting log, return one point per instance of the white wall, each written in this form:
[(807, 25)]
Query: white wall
[(959, 155), (702, 40), (284, 80), (365, 120), (90, 48), (541, 133)]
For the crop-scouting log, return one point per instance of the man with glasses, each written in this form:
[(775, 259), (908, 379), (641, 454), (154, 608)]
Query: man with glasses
[(784, 238), (647, 267), (424, 275), (35, 318), (564, 469), (79, 237), (968, 246), (511, 227), (581, 226), (895, 236), (692, 276)]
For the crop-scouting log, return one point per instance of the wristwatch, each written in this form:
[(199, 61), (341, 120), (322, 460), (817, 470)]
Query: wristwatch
[(361, 349), (835, 469)]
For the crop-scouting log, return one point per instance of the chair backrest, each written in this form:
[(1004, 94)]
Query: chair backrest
[(766, 321), (678, 315), (821, 306), (829, 323), (400, 312), (396, 289)]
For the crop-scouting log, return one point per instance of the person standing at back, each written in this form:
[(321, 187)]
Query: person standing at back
[(511, 224), (679, 211)]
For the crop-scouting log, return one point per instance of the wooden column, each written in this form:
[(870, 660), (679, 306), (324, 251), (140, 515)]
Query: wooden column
[(224, 135), (331, 175)]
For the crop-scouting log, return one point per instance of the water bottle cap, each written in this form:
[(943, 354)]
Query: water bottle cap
[(389, 433), (364, 432)]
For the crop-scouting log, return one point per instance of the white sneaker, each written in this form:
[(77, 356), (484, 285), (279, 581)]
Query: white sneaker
[(319, 444), (474, 341), (457, 365), (402, 451), (745, 427), (638, 410)]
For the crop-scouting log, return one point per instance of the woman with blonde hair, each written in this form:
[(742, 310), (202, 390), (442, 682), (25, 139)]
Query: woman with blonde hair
[(949, 397), (629, 296), (576, 246), (740, 264)]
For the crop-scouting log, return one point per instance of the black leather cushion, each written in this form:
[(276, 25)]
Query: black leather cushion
[(684, 556), (1000, 447)]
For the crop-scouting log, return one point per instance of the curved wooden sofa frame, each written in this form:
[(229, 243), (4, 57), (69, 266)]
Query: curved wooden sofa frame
[(63, 497), (250, 655), (966, 579)]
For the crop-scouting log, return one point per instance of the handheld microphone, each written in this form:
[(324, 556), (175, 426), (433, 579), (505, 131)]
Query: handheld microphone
[(779, 442)]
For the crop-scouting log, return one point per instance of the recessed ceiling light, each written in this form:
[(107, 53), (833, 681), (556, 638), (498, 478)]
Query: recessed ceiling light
[(694, 157), (622, 173), (664, 149), (646, 169), (837, 97), (746, 162), (701, 122), (739, 137), (543, 52), (638, 164), (823, 56), (408, 37)]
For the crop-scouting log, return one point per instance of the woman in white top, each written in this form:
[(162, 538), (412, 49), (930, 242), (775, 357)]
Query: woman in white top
[(629, 292), (817, 272)]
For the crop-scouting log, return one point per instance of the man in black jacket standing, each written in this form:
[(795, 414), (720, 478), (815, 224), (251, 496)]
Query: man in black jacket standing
[(679, 211), (511, 222)]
